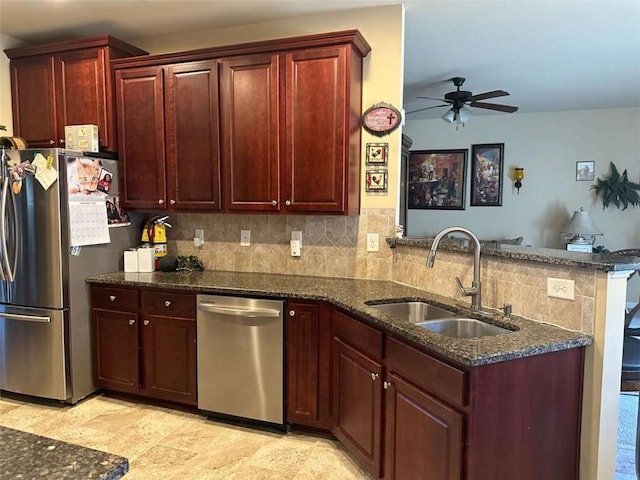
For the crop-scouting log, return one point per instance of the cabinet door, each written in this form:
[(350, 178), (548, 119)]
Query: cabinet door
[(34, 113), (193, 156), (80, 92), (140, 116), (169, 358), (357, 404), (317, 136), (250, 132), (424, 437), (308, 345), (115, 344)]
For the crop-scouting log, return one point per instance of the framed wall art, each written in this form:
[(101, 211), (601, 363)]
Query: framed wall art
[(436, 179), (487, 165), (585, 171), (377, 154), (377, 181)]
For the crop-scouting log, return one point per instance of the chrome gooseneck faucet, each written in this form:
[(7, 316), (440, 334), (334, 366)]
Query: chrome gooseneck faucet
[(475, 289)]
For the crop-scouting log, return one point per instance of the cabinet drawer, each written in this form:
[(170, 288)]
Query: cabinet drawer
[(114, 298), (366, 339), (169, 303), (427, 372)]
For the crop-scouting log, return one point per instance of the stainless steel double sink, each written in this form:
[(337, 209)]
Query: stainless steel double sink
[(439, 320)]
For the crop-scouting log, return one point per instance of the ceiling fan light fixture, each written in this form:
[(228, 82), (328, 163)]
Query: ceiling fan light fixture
[(464, 114), (449, 116)]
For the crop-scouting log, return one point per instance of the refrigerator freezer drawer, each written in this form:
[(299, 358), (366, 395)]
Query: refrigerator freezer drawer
[(32, 352)]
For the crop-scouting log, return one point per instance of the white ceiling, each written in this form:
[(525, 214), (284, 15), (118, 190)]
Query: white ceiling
[(551, 55)]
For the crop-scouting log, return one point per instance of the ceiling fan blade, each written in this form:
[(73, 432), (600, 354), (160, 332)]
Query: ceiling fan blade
[(491, 94), (494, 106), (433, 98), (428, 108)]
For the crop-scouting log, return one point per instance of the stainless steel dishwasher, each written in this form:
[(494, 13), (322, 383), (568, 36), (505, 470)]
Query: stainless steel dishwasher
[(241, 357)]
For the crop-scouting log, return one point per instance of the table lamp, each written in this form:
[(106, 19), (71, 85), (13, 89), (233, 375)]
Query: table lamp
[(580, 233)]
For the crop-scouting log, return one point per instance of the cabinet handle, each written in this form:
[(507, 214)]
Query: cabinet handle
[(167, 303), (292, 313), (287, 203), (374, 376), (172, 201), (146, 322), (160, 202), (112, 297), (60, 141), (131, 321), (274, 202), (386, 385), (51, 142)]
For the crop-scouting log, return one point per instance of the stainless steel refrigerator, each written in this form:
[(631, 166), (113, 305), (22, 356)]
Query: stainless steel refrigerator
[(45, 321)]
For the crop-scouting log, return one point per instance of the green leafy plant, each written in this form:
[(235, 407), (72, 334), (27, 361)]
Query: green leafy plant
[(189, 263), (617, 190), (2, 127)]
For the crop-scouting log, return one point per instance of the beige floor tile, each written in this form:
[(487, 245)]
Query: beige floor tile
[(172, 444)]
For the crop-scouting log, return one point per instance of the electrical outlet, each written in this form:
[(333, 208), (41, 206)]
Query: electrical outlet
[(198, 238), (561, 288), (373, 240), (245, 238), (295, 248)]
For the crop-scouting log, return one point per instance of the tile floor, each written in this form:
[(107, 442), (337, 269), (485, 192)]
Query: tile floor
[(169, 444)]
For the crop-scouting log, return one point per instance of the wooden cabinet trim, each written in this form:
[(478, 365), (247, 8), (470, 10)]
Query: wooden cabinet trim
[(76, 44)]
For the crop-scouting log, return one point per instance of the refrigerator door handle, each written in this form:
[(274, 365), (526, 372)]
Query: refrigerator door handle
[(3, 220), (25, 318), (6, 267)]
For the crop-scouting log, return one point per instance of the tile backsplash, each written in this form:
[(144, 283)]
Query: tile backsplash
[(335, 246)]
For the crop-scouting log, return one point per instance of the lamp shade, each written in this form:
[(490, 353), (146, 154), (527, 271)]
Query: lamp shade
[(580, 226), (464, 114)]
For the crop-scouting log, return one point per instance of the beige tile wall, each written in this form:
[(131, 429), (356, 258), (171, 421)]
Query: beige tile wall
[(332, 246), (335, 246)]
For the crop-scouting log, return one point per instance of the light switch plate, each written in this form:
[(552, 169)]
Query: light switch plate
[(295, 248), (245, 238), (297, 235)]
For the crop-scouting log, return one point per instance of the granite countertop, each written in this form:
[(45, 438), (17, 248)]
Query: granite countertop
[(27, 456), (552, 256), (528, 338)]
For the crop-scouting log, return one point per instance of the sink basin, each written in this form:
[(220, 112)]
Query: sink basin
[(462, 327), (413, 311)]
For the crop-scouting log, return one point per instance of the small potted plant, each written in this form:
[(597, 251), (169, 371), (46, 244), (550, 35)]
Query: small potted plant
[(617, 189)]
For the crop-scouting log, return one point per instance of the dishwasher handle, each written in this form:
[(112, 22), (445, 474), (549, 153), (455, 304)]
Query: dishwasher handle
[(246, 312)]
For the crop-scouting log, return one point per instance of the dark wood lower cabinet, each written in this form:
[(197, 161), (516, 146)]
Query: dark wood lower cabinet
[(423, 436), (308, 377), (145, 343)]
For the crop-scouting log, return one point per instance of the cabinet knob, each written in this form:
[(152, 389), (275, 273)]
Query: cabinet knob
[(274, 202), (167, 303), (287, 203), (292, 313), (160, 202), (131, 321), (146, 322), (112, 298), (386, 385), (374, 376), (172, 201), (51, 142), (61, 141)]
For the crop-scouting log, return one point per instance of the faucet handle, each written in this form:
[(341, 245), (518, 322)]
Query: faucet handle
[(466, 292)]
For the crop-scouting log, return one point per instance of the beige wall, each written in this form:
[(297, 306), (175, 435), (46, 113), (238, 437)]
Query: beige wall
[(6, 118)]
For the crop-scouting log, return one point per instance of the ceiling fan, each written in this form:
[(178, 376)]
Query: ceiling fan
[(459, 99)]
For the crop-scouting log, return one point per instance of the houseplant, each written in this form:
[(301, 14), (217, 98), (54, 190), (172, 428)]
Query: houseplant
[(617, 189)]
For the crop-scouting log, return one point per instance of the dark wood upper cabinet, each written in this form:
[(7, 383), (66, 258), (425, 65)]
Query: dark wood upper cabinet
[(168, 136), (65, 83)]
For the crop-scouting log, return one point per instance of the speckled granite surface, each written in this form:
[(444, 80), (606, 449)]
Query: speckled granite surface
[(27, 456), (552, 256), (527, 338)]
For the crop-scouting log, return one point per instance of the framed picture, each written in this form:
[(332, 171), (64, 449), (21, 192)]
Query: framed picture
[(487, 165), (377, 181), (377, 154), (585, 171), (436, 179)]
